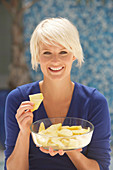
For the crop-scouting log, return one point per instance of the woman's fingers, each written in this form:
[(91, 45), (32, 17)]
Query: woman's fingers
[(26, 123), (23, 108), (44, 150), (80, 150), (25, 115), (26, 105), (61, 152), (52, 152), (27, 102)]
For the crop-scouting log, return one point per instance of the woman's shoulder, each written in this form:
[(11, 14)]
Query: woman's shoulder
[(30, 88), (87, 91), (84, 89), (23, 91)]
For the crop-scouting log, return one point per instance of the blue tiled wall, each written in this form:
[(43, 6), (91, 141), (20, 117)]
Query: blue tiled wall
[(95, 24)]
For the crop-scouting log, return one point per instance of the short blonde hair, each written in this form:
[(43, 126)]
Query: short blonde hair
[(59, 31)]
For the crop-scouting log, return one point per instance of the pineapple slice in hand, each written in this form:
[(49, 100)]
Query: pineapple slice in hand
[(36, 99)]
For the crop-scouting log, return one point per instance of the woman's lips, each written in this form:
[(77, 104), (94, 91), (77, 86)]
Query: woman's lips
[(56, 69)]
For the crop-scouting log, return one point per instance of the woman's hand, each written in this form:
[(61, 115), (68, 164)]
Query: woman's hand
[(24, 116), (52, 152), (60, 152)]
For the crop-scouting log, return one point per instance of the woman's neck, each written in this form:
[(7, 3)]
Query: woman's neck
[(57, 89)]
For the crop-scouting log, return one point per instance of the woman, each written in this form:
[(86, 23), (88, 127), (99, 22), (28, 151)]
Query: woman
[(55, 46)]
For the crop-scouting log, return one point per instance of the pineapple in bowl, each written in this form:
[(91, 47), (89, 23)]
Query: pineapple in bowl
[(62, 133)]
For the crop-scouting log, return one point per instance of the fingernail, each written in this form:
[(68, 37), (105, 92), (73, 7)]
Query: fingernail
[(50, 149), (61, 152)]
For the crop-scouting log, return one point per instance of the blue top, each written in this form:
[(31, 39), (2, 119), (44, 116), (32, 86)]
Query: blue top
[(87, 103)]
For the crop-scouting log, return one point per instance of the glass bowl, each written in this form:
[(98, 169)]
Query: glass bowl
[(66, 142)]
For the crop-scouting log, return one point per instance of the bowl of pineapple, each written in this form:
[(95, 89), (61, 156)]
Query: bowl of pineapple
[(62, 133)]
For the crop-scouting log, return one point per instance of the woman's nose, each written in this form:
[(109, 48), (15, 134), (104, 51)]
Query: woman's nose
[(55, 58)]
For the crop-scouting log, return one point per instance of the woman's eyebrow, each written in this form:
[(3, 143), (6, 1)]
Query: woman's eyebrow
[(45, 49), (63, 49)]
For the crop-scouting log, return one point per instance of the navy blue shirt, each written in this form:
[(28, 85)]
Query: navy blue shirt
[(86, 103)]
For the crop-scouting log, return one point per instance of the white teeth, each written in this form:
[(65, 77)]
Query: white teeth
[(55, 69)]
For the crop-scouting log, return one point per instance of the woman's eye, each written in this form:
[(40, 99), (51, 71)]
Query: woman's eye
[(63, 52), (47, 53)]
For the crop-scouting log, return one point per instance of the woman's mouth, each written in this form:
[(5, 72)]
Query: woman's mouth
[(55, 69)]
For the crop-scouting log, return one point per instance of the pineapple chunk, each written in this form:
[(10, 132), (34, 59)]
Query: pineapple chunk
[(65, 127), (50, 133), (36, 99), (42, 140), (73, 143), (75, 127), (65, 141), (80, 132), (56, 142), (54, 127), (72, 127), (65, 132), (42, 127)]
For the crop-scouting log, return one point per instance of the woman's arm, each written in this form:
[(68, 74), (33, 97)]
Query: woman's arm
[(19, 158), (81, 162)]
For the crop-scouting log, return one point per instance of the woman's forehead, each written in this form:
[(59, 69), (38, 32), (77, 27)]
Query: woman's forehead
[(44, 46)]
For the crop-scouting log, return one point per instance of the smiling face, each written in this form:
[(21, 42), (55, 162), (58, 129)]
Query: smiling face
[(55, 61)]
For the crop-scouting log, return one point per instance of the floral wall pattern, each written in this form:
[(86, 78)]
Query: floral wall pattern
[(95, 24)]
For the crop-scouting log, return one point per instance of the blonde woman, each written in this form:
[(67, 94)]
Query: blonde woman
[(55, 45)]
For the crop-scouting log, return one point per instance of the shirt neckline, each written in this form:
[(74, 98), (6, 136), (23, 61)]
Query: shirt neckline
[(69, 110)]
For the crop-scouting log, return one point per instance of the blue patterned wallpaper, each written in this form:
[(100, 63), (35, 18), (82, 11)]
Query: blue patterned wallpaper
[(95, 24)]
